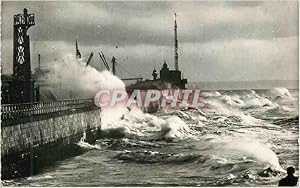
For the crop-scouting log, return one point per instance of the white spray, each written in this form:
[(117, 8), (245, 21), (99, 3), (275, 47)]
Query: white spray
[(71, 74)]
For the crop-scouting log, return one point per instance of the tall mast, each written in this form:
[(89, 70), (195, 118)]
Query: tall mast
[(114, 65), (176, 45), (76, 44), (78, 54), (39, 60)]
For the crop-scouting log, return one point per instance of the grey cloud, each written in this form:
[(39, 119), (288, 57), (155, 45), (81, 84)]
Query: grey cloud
[(134, 23)]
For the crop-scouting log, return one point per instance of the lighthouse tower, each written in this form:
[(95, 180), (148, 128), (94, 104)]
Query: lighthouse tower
[(23, 85)]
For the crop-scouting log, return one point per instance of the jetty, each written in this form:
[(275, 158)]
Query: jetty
[(36, 133)]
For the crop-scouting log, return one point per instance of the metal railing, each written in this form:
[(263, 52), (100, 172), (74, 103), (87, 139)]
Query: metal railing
[(17, 111)]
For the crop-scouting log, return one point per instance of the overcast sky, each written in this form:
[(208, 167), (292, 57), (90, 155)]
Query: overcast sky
[(218, 41)]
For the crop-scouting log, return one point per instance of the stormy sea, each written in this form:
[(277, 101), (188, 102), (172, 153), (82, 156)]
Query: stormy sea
[(240, 138)]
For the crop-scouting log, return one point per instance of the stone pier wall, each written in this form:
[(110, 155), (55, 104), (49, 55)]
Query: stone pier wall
[(26, 147)]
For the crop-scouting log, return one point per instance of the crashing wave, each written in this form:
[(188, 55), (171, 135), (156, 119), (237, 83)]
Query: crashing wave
[(174, 127), (280, 92)]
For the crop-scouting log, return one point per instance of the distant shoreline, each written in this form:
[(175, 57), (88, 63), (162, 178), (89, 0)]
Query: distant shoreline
[(241, 85)]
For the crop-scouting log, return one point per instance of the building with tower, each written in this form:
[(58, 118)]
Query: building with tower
[(173, 76), (168, 78)]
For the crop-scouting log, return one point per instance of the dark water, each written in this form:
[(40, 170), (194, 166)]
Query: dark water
[(241, 138)]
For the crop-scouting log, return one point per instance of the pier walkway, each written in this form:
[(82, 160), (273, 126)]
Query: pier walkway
[(12, 114), (32, 132)]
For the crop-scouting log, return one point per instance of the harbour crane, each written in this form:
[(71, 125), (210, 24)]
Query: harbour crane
[(114, 63)]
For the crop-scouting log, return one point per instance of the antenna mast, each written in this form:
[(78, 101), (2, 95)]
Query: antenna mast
[(39, 60), (78, 54), (113, 65), (176, 45)]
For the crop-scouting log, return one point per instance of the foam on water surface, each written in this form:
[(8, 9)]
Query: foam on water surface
[(231, 138)]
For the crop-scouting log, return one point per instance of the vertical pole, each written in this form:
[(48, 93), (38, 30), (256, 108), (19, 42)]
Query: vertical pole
[(39, 60), (113, 65), (76, 50)]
